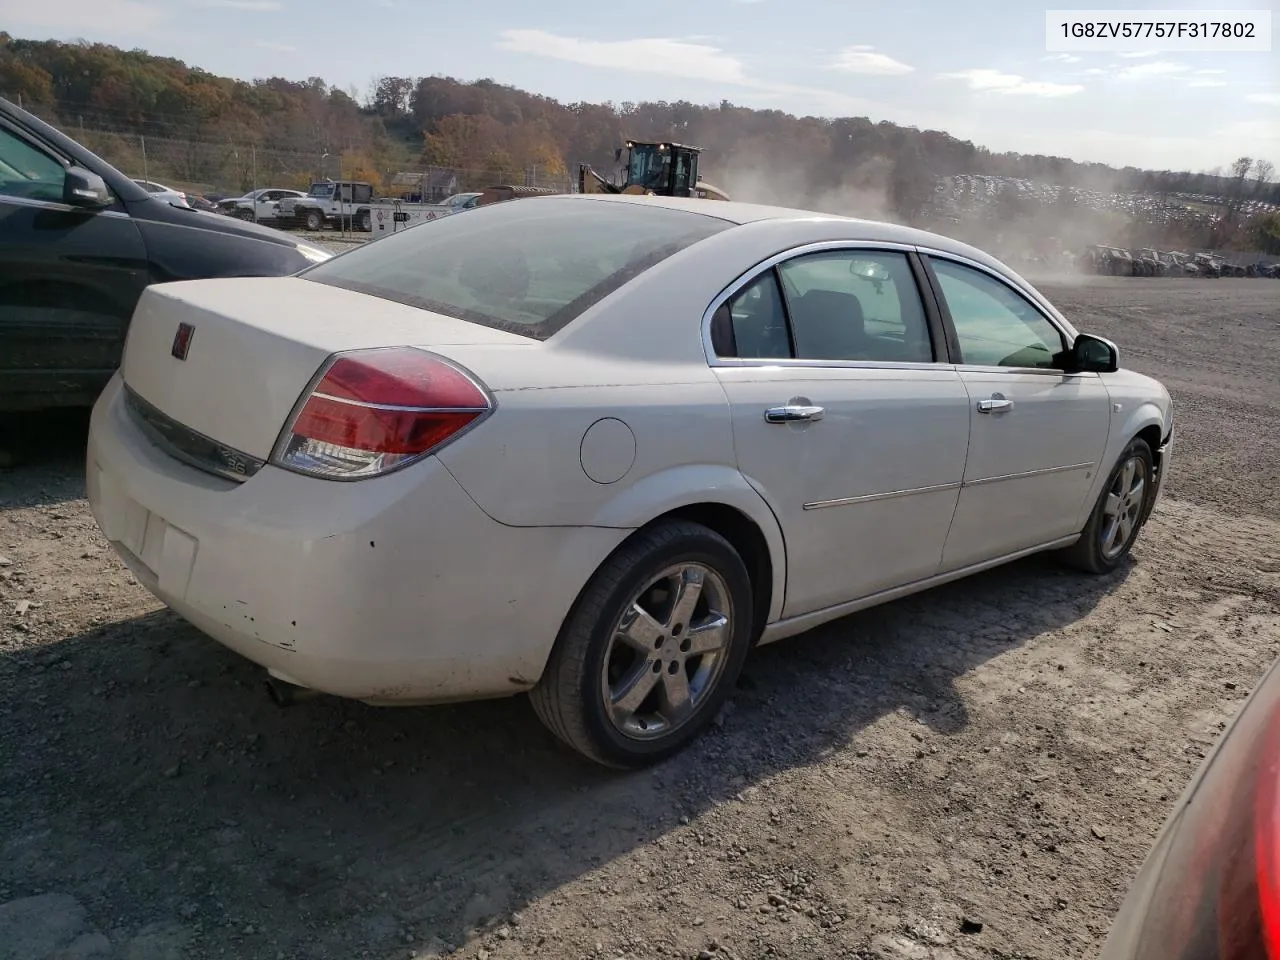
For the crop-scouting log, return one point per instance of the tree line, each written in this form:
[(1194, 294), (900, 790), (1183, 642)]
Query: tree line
[(403, 122)]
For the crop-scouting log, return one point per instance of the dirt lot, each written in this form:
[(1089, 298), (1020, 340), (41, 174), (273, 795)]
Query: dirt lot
[(972, 773)]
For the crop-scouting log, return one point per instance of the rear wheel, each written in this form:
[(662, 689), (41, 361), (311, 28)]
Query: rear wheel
[(651, 649), (365, 221), (1119, 513)]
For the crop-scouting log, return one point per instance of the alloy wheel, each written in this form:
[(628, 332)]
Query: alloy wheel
[(1123, 507), (667, 652)]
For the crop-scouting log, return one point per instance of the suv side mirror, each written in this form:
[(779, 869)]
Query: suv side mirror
[(81, 188), (1090, 354)]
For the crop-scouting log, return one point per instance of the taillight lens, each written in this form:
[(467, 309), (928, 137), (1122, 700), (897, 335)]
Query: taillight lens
[(375, 410), (1216, 895)]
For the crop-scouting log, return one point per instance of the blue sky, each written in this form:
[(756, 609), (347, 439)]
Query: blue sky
[(977, 69)]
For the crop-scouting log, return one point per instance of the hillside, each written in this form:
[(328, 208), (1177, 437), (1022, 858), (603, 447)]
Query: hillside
[(208, 132)]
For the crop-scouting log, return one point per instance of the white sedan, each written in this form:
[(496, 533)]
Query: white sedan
[(597, 448)]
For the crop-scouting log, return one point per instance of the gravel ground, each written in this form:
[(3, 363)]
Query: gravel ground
[(971, 773)]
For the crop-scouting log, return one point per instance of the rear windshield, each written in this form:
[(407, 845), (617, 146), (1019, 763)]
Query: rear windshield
[(527, 266)]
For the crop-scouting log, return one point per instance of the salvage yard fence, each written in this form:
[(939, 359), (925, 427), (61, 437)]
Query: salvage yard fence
[(231, 168), (202, 167)]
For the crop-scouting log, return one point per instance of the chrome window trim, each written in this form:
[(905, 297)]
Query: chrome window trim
[(753, 273), (59, 207)]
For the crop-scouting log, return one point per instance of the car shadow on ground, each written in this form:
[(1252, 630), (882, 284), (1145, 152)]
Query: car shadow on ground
[(147, 773), (42, 457)]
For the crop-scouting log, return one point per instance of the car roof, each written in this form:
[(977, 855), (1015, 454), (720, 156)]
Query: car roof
[(741, 213)]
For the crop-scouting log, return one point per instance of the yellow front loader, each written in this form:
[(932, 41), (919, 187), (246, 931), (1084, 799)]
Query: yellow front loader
[(660, 169)]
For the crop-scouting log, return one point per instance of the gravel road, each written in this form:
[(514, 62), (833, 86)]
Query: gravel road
[(971, 773)]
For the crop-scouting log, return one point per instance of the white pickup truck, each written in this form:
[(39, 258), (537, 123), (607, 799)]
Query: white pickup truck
[(390, 216), (337, 202)]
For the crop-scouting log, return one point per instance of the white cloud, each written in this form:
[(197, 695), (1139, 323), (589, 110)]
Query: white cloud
[(695, 61), (1157, 68), (863, 59), (997, 82), (675, 58), (1061, 58), (107, 18), (251, 6), (277, 47), (1205, 73), (1136, 54), (1270, 99), (1095, 72), (1206, 83)]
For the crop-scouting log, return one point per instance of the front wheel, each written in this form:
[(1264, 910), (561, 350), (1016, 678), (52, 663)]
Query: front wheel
[(651, 649), (1119, 513), (315, 221)]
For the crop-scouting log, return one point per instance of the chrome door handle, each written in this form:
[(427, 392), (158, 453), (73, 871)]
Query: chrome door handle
[(792, 413), (994, 405)]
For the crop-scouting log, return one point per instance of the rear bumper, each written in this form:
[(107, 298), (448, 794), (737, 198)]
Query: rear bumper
[(395, 589)]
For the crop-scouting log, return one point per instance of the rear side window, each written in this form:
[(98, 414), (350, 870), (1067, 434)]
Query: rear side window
[(837, 305), (526, 266)]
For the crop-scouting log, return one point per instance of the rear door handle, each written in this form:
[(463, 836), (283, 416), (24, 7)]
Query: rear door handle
[(792, 413), (996, 404)]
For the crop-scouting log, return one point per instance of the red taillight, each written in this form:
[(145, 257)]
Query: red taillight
[(375, 410), (1266, 839)]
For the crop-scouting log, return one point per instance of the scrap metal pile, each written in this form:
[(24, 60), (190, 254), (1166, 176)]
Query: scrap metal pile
[(1115, 261)]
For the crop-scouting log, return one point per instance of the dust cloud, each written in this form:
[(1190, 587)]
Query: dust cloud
[(1029, 225), (863, 191)]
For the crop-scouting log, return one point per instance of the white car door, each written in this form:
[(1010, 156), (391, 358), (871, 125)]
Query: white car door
[(1036, 434), (842, 419)]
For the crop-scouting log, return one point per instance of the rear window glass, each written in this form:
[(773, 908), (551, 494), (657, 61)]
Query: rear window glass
[(526, 266)]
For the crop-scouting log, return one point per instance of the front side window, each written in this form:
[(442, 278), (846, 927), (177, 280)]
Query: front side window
[(527, 266), (996, 326), (27, 172)]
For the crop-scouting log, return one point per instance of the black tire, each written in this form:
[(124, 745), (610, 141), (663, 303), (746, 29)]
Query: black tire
[(365, 221), (244, 214), (570, 696), (314, 220), (1088, 553)]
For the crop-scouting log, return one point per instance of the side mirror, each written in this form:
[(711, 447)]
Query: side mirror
[(82, 188), (1090, 354)]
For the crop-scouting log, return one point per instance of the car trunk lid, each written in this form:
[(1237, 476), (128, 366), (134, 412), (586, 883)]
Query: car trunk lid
[(253, 345)]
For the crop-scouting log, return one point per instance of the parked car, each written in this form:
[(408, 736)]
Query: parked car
[(161, 192), (598, 448), (260, 205), (201, 203), (78, 243), (1210, 886), (462, 201)]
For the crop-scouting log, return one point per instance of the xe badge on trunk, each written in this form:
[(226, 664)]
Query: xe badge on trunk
[(182, 340)]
